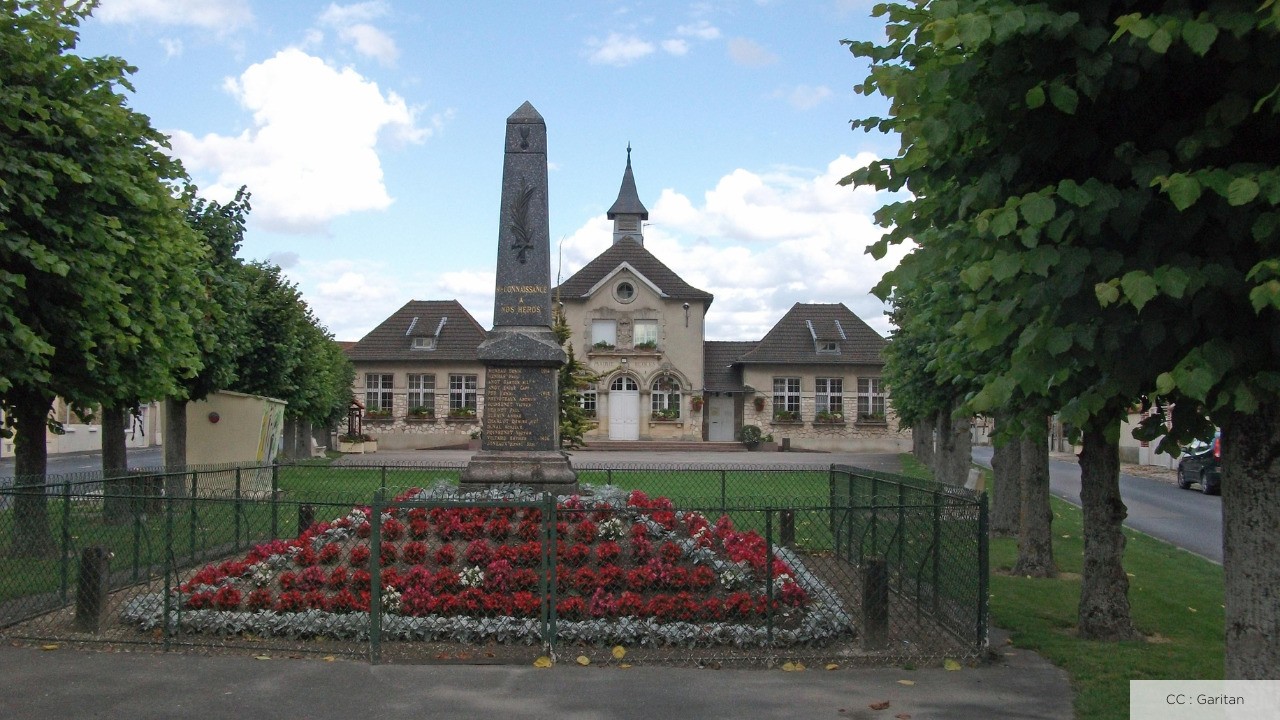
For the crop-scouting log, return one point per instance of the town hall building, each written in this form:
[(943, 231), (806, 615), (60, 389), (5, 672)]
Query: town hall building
[(814, 380)]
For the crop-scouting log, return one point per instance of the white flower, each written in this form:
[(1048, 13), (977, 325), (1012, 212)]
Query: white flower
[(734, 577), (390, 599), (612, 529), (471, 577)]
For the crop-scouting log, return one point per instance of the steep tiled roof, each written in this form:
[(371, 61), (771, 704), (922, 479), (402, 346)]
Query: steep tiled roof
[(456, 333), (796, 337), (718, 358), (628, 202), (632, 253)]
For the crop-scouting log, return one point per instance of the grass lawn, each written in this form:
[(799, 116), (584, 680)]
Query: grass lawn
[(1176, 601)]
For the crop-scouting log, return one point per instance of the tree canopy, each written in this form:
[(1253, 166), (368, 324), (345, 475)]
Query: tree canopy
[(1103, 176)]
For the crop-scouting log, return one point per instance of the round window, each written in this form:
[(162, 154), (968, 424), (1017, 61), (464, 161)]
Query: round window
[(625, 292)]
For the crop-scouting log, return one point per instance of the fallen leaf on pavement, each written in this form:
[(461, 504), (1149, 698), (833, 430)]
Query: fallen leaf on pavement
[(329, 658), (906, 682), (882, 705), (619, 652), (48, 647), (542, 662), (832, 666), (902, 716), (950, 664), (261, 657), (583, 660)]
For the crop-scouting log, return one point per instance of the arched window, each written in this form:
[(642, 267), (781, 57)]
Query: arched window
[(624, 382), (666, 398)]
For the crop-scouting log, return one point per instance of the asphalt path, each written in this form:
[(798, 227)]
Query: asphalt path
[(84, 462), (1187, 519)]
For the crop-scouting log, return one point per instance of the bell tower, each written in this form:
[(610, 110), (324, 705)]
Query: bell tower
[(628, 213)]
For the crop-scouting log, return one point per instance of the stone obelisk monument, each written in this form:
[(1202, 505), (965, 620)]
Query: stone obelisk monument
[(521, 426)]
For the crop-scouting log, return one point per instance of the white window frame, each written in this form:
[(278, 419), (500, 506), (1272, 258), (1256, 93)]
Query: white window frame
[(422, 391), (644, 330), (828, 395), (588, 400), (462, 391), (377, 392), (786, 395), (871, 397), (665, 396), (605, 331)]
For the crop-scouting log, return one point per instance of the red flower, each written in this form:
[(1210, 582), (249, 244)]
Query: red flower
[(414, 553), (671, 552), (390, 577), (571, 608), (585, 580), (702, 578), (337, 578), (641, 549), (609, 576), (444, 579), (345, 601), (330, 553), (359, 556), (360, 579), (392, 529), (288, 580), (200, 600), (630, 603), (529, 531), (364, 530), (446, 555), (478, 552), (607, 552), (525, 578), (577, 554), (292, 601), (312, 578), (498, 528), (525, 604), (419, 528), (498, 576), (585, 532), (259, 599), (529, 554)]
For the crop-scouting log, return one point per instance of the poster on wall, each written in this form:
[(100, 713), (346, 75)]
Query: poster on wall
[(272, 436)]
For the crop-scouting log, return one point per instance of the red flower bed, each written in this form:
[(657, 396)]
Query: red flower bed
[(609, 562)]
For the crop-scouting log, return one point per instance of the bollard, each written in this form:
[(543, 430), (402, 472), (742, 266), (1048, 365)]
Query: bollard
[(787, 533), (92, 588), (875, 603), (306, 518)]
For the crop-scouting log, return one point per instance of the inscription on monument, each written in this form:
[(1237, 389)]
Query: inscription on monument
[(520, 407), (511, 300)]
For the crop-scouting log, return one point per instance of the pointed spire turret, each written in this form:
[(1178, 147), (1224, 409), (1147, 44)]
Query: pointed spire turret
[(627, 211)]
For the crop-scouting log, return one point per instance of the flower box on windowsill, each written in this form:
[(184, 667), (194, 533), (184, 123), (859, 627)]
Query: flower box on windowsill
[(462, 419), (828, 423), (872, 420), (428, 418), (784, 417), (378, 416)]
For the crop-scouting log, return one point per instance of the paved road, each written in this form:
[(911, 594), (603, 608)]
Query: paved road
[(1185, 518), (85, 462)]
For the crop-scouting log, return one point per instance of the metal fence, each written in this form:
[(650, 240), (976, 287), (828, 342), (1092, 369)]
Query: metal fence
[(651, 564)]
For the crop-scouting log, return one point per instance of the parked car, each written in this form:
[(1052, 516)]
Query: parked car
[(1201, 464)]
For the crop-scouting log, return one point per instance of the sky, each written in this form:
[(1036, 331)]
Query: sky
[(370, 135)]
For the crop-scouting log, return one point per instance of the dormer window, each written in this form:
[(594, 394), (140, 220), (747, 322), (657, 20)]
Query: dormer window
[(424, 343), (828, 347)]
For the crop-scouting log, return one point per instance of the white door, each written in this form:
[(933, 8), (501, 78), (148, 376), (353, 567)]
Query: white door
[(624, 409), (720, 415)]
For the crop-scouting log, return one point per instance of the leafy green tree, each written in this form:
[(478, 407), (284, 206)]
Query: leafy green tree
[(89, 233), (1104, 175), (574, 377), (221, 331)]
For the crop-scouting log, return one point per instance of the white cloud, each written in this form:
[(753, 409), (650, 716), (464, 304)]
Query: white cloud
[(371, 42), (701, 30), (341, 15), (675, 47), (220, 15), (763, 242), (353, 25), (172, 47), (617, 50), (312, 154), (805, 97), (749, 53)]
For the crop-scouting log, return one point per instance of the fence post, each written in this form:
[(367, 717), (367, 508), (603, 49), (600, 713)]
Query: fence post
[(875, 603), (383, 484), (549, 557), (901, 532), (723, 493), (64, 568), (195, 514), (375, 579), (92, 588), (984, 570), (937, 547), (275, 501), (170, 571), (875, 517), (768, 575), (236, 510)]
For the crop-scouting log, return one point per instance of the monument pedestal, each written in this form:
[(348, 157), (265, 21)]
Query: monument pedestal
[(544, 471)]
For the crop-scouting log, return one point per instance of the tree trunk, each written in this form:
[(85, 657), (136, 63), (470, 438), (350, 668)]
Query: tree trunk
[(922, 441), (31, 535), (1006, 485), (1035, 516), (304, 438), (1104, 587), (288, 448), (175, 447), (1250, 551), (115, 466), (955, 453)]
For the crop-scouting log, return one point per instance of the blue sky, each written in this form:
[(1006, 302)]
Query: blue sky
[(370, 134)]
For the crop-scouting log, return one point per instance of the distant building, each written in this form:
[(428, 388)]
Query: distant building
[(814, 379)]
